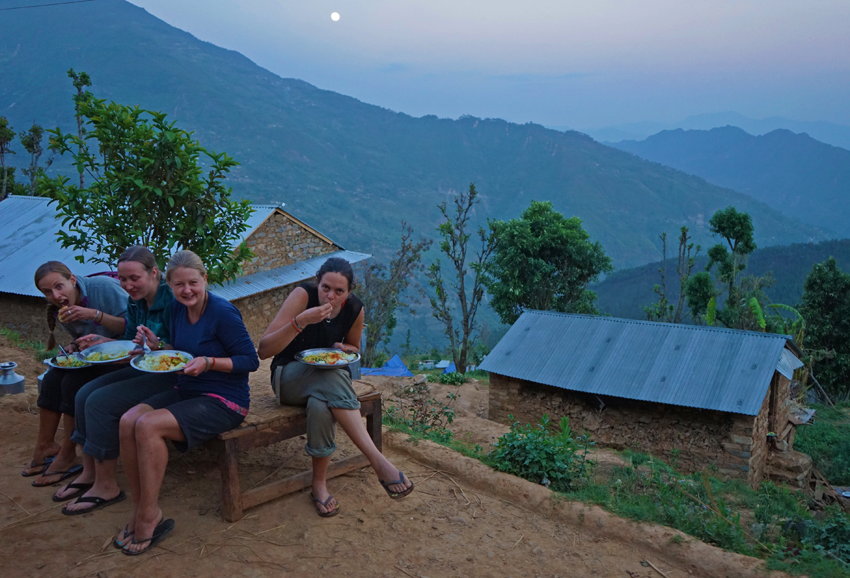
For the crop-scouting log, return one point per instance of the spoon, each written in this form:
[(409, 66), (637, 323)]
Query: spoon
[(65, 353)]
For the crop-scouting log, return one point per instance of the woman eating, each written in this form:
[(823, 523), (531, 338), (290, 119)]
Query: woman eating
[(101, 403), (211, 396), (95, 305), (325, 314)]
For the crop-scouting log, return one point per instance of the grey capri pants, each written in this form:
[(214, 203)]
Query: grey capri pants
[(319, 390), (101, 403)]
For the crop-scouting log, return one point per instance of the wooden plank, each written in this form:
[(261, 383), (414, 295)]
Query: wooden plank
[(231, 494), (272, 490), (786, 431), (272, 435), (373, 422)]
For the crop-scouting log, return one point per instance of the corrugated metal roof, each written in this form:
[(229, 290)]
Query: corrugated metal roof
[(28, 227), (267, 280), (788, 362), (684, 365)]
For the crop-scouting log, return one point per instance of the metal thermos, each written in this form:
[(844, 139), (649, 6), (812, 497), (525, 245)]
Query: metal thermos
[(10, 382)]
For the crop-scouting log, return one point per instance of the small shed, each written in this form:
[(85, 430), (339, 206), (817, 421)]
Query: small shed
[(700, 396), (288, 252)]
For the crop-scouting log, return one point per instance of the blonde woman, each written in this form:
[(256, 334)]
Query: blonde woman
[(95, 305), (211, 396)]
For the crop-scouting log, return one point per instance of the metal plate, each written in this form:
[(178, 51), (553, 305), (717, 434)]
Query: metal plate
[(52, 362), (136, 360), (300, 357), (110, 347)]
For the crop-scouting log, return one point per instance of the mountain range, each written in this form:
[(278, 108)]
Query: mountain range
[(794, 173), (351, 169)]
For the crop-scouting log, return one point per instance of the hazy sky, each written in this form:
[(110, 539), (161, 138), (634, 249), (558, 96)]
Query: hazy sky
[(557, 62)]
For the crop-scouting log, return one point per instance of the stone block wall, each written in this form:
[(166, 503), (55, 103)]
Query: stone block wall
[(281, 241), (692, 438), (27, 315), (259, 310)]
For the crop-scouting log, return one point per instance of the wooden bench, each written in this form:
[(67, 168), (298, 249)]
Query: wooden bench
[(268, 423)]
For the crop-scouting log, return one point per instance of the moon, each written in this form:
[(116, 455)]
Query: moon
[(334, 16)]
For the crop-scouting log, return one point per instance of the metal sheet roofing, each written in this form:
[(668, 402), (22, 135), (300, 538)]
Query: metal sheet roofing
[(28, 227), (267, 280), (684, 365)]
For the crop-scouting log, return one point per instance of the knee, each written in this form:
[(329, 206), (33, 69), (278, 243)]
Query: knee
[(318, 409), (127, 425)]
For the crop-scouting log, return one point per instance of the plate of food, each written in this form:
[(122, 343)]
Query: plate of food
[(167, 361), (109, 351), (72, 361), (327, 358)]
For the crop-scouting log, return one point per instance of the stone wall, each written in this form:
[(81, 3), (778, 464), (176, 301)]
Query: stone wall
[(281, 241), (26, 315), (692, 438), (259, 310)]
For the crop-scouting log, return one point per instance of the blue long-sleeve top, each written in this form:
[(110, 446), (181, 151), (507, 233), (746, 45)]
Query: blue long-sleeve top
[(220, 332)]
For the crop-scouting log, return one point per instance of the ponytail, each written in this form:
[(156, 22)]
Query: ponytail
[(52, 310)]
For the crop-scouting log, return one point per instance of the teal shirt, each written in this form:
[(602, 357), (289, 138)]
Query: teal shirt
[(157, 318)]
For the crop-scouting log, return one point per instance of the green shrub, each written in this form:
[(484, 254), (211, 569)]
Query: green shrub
[(827, 440), (536, 453), (452, 378)]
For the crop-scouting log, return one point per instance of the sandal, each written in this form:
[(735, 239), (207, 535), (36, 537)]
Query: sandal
[(120, 545), (97, 501), (324, 504), (44, 466), (400, 480), (73, 471), (81, 488), (161, 531)]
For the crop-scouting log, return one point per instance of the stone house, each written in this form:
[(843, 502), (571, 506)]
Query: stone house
[(702, 397), (287, 250)]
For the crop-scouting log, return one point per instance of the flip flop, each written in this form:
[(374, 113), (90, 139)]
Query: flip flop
[(74, 470), (120, 545), (96, 500), (324, 504), (400, 480), (161, 531), (44, 466), (81, 488)]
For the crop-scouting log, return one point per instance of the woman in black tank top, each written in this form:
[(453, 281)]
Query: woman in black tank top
[(317, 315)]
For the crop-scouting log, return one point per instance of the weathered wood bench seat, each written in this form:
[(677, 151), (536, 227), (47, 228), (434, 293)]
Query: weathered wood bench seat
[(268, 423)]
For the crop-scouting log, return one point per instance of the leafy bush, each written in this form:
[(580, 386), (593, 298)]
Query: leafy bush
[(830, 535), (452, 378), (416, 412), (37, 347), (827, 440), (554, 459)]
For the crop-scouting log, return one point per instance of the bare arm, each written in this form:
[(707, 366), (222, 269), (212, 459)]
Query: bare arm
[(281, 332), (352, 338)]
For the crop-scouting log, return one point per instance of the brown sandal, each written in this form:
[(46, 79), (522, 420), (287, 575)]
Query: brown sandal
[(324, 504)]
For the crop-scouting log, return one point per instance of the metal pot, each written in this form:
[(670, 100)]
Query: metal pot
[(10, 382)]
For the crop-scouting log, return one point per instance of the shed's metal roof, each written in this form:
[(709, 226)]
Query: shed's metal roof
[(684, 365), (28, 227), (266, 280)]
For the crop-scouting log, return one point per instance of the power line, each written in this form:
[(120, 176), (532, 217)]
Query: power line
[(43, 5)]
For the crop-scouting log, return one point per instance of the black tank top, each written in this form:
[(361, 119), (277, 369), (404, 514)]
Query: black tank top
[(323, 333)]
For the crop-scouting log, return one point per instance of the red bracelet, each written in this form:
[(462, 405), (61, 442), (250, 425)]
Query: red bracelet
[(213, 363), (295, 325)]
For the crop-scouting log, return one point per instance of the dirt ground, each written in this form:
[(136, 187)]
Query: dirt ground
[(444, 528)]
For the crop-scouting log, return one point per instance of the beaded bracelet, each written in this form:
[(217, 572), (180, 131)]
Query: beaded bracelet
[(295, 326)]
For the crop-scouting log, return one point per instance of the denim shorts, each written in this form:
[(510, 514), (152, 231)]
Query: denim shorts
[(200, 417)]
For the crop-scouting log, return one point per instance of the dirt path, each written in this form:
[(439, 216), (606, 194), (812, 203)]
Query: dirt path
[(445, 528)]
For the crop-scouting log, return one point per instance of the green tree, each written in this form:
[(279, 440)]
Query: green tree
[(31, 141), (663, 310), (544, 261), (700, 293), (455, 245), (147, 187), (826, 308), (737, 230), (383, 289), (80, 81), (7, 135)]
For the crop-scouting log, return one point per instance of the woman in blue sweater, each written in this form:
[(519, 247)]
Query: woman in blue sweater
[(211, 395)]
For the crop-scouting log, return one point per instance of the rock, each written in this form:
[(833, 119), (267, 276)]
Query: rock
[(419, 379), (490, 554), (459, 521), (600, 522)]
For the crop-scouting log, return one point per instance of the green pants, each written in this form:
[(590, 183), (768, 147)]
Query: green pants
[(318, 390)]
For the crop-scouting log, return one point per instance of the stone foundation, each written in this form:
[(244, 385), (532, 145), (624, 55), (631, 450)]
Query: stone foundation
[(282, 240), (259, 310), (26, 315), (692, 439)]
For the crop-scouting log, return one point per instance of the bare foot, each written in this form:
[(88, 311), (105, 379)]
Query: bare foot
[(38, 457), (389, 473), (94, 492), (127, 533), (61, 463), (320, 492), (65, 491), (144, 528)]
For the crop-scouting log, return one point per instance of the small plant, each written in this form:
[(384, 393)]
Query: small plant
[(452, 378), (677, 539), (557, 460), (419, 413), (37, 347)]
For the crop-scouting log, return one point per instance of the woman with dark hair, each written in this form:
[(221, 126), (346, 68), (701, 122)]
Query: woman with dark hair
[(317, 315), (95, 305), (101, 403)]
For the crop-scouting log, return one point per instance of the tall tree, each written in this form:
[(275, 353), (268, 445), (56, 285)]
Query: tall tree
[(737, 230), (455, 294), (383, 289), (545, 261), (148, 187), (80, 81), (7, 135), (664, 310), (31, 141)]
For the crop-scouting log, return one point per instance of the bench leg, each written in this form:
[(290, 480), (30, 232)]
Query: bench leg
[(373, 424), (231, 494)]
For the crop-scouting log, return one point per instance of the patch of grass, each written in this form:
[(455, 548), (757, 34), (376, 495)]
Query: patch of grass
[(37, 347), (827, 440)]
